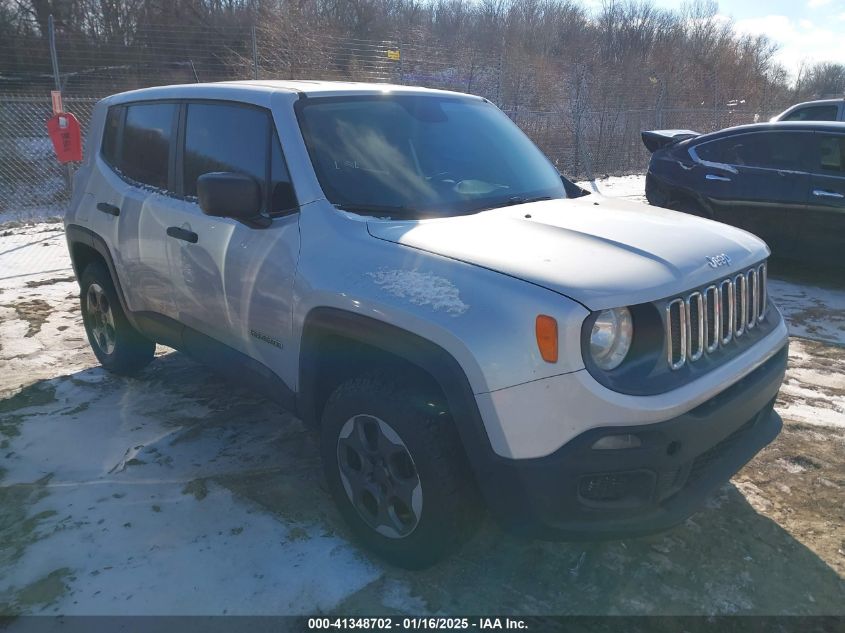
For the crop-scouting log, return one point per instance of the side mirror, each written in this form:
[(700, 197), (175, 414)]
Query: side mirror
[(225, 194)]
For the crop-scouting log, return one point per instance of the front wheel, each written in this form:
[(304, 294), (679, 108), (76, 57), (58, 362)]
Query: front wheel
[(118, 346), (395, 467)]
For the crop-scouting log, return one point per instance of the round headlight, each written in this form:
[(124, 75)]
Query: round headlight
[(610, 339)]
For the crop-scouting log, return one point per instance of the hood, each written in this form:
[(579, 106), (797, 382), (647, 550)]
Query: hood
[(601, 252)]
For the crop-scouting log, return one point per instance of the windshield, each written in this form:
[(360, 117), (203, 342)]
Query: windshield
[(421, 156)]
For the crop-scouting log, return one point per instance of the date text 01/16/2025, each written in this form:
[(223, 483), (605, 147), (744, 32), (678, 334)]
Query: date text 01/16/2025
[(417, 623)]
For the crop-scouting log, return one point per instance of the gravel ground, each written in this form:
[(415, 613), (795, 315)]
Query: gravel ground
[(173, 493)]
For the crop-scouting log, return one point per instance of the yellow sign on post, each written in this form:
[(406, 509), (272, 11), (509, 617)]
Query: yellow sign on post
[(394, 54)]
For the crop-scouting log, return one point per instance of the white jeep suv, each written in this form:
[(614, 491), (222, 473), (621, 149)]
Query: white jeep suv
[(464, 327)]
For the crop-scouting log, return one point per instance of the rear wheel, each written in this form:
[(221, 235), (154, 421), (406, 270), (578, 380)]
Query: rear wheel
[(118, 346), (655, 194), (394, 464)]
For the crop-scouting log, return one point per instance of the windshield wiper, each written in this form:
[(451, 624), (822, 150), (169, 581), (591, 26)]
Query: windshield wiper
[(524, 200), (378, 210), (509, 202)]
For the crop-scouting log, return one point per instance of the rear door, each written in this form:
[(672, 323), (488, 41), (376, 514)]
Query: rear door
[(235, 280), (758, 181), (823, 232), (139, 148)]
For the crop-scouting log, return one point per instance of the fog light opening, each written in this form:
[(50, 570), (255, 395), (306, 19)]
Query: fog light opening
[(617, 442)]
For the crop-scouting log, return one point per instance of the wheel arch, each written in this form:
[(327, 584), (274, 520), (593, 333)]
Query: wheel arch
[(337, 344), (86, 247)]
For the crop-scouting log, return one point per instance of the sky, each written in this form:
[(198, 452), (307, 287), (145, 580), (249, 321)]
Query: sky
[(806, 30)]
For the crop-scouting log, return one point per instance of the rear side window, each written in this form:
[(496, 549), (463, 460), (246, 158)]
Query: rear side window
[(147, 134), (772, 150), (814, 113), (111, 135), (832, 153)]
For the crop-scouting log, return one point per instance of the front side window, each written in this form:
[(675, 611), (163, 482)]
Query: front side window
[(832, 152), (413, 156), (237, 139), (814, 113), (147, 134), (771, 150), (225, 138)]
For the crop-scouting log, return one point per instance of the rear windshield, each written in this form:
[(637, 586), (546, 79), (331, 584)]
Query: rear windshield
[(418, 156)]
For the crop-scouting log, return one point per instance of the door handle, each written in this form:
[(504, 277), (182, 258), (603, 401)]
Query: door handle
[(105, 207), (822, 193), (182, 234), (716, 177)]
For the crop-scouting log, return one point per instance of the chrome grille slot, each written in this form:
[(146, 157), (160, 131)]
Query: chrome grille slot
[(751, 312), (713, 317), (726, 290), (695, 326), (740, 304), (676, 338)]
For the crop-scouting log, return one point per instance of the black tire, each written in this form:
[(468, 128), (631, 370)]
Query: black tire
[(655, 194), (449, 505), (118, 346)]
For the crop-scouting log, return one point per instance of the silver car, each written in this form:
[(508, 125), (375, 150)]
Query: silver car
[(463, 327)]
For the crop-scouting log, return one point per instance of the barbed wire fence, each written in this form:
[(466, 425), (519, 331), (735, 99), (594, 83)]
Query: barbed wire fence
[(588, 126)]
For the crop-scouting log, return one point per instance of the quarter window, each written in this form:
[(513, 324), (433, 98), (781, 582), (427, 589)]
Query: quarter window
[(147, 134), (282, 196), (111, 134)]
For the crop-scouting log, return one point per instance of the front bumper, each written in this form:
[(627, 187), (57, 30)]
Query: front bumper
[(581, 493)]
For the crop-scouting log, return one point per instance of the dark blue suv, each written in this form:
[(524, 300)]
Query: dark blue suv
[(783, 181)]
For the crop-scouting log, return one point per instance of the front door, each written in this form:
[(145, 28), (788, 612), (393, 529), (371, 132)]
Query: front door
[(235, 281)]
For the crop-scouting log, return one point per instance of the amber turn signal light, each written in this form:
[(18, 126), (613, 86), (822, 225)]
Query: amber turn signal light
[(546, 330)]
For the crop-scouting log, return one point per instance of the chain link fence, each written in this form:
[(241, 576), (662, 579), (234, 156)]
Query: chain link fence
[(32, 182), (588, 127)]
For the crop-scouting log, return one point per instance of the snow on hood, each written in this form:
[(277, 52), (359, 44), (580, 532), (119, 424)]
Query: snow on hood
[(601, 252)]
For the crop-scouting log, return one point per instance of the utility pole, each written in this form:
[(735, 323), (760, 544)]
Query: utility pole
[(254, 54), (54, 59)]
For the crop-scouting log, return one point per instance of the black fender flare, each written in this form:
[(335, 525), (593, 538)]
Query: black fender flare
[(416, 350), (75, 234)]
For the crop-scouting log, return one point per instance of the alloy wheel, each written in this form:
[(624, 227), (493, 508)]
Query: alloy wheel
[(100, 318), (379, 476)]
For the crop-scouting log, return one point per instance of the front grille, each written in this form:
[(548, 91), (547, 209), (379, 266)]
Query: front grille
[(714, 317)]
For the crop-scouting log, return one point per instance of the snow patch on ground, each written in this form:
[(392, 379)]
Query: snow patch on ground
[(150, 549), (397, 595), (813, 391), (812, 312), (422, 289), (631, 187), (132, 510)]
